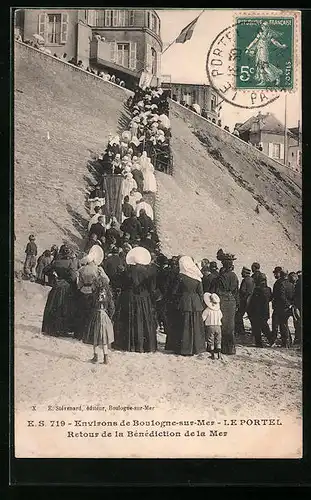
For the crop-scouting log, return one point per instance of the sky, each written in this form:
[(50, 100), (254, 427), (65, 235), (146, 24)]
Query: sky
[(186, 62)]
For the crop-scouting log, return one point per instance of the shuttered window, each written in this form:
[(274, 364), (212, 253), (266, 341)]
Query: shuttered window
[(64, 28), (113, 52), (108, 16), (133, 56), (131, 15), (53, 28), (42, 25), (276, 151), (148, 58)]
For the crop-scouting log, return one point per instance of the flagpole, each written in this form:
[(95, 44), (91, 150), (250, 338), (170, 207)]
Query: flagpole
[(285, 132), (177, 37)]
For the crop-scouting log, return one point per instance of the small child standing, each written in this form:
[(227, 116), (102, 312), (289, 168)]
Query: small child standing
[(30, 261), (212, 316), (101, 327)]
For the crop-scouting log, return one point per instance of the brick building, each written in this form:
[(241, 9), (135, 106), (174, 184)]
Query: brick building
[(120, 41)]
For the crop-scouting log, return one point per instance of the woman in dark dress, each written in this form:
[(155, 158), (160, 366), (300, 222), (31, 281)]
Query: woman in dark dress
[(171, 303), (134, 320), (189, 309), (226, 286), (58, 311)]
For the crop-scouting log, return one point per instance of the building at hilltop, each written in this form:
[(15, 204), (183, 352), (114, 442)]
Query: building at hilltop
[(122, 42), (267, 131), (192, 93)]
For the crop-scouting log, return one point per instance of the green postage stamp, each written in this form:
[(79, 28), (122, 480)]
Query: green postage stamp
[(265, 48)]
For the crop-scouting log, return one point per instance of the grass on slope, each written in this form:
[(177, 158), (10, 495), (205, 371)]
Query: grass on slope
[(62, 117)]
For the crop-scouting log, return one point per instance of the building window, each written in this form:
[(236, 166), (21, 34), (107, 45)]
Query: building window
[(54, 28), (148, 19), (123, 55), (276, 151), (118, 17), (131, 17), (213, 102), (154, 23), (153, 61), (92, 17)]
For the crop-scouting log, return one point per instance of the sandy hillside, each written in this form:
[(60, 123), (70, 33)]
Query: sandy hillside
[(51, 174), (210, 202)]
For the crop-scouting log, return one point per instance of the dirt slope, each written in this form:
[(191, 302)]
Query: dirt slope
[(211, 199), (77, 112)]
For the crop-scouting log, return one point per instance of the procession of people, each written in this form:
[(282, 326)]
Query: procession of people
[(123, 290)]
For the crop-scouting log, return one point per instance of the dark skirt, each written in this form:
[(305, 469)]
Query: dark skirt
[(228, 309), (100, 330), (192, 333), (134, 323), (85, 304), (171, 327), (58, 314)]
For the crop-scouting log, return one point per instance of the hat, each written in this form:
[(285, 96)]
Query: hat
[(138, 255), (212, 301), (96, 255), (246, 271), (277, 269)]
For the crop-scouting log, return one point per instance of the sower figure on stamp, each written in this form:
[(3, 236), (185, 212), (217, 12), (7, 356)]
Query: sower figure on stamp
[(266, 72)]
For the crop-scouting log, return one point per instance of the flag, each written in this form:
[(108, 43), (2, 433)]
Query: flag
[(187, 32)]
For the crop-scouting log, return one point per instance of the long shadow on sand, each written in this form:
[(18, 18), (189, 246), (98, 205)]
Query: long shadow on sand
[(53, 354), (271, 363)]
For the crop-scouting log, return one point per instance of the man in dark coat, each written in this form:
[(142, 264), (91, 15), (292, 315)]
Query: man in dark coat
[(297, 306), (98, 228), (139, 178), (146, 223), (256, 270), (132, 227), (258, 309), (208, 279), (127, 208), (245, 292), (283, 299), (113, 232), (112, 264)]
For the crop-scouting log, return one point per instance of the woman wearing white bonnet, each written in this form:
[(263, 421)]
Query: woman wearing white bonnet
[(191, 339), (98, 304), (135, 326), (128, 184)]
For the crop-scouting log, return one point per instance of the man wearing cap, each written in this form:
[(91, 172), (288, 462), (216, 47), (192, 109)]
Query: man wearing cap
[(98, 228), (30, 261), (256, 271), (283, 298), (208, 280), (245, 293), (297, 305)]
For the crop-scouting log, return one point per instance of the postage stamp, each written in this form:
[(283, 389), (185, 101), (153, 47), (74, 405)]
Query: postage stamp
[(266, 53)]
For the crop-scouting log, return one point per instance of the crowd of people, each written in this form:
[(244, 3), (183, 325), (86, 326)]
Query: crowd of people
[(122, 299), (122, 289), (150, 125)]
